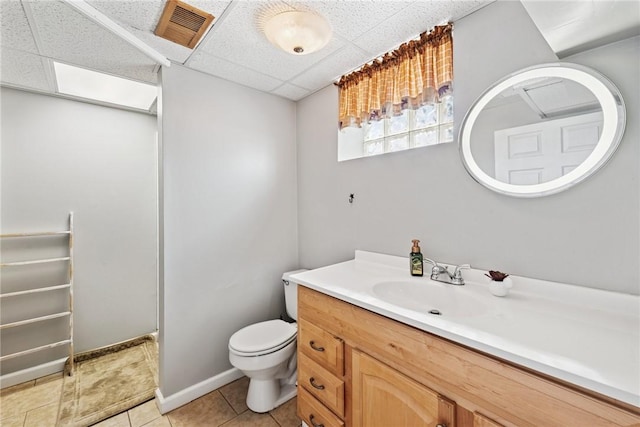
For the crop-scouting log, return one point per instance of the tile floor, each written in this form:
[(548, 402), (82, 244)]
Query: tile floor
[(35, 404)]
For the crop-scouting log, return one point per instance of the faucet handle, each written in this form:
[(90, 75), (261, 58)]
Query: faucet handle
[(430, 261), (457, 279)]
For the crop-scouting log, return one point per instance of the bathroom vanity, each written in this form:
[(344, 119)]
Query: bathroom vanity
[(370, 357)]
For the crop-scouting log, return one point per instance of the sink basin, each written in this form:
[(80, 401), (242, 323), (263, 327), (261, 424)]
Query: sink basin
[(425, 297)]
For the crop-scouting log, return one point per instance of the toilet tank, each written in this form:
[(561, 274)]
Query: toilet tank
[(291, 293)]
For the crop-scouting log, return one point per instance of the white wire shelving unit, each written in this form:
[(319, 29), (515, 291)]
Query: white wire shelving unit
[(69, 286)]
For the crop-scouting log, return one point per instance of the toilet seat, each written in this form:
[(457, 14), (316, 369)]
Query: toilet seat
[(263, 338)]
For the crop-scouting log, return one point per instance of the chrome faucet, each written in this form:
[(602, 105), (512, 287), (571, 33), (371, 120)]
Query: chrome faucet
[(455, 278)]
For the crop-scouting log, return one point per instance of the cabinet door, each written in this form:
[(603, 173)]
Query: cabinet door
[(384, 397)]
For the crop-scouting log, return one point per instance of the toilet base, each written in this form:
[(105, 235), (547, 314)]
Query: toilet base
[(287, 392), (265, 395)]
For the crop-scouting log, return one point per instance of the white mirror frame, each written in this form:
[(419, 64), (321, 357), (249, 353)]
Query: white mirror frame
[(614, 118)]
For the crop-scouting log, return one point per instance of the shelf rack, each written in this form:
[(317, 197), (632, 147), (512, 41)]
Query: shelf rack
[(69, 286)]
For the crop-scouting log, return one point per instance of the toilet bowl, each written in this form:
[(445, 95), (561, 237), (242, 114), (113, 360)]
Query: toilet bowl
[(266, 353)]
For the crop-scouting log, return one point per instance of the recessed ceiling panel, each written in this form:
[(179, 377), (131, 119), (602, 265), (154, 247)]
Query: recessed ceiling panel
[(102, 87)]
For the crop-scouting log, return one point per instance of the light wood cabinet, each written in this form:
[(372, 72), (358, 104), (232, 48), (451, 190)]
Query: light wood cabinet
[(380, 372), (384, 397), (325, 386), (314, 413), (480, 420), (321, 346)]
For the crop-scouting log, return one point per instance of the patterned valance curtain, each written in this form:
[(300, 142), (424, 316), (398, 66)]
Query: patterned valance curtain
[(418, 72)]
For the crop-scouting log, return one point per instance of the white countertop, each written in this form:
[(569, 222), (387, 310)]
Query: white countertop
[(585, 336)]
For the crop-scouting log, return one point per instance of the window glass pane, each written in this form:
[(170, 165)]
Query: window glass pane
[(427, 115), (371, 148), (446, 133), (398, 143), (427, 125), (425, 137), (373, 130), (398, 124), (446, 110)]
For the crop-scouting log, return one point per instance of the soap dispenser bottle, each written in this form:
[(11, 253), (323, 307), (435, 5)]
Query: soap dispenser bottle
[(415, 259)]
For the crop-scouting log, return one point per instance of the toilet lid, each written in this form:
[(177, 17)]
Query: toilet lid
[(263, 336)]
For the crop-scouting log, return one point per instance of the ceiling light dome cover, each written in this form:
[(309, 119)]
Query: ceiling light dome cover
[(298, 32)]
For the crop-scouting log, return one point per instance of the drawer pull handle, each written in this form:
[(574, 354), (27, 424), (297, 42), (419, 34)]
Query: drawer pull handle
[(313, 346), (313, 383), (313, 423)]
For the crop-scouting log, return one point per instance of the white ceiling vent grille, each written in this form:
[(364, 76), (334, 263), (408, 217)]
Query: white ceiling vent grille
[(182, 23)]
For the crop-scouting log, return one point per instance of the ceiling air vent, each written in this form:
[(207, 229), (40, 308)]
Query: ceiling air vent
[(182, 23)]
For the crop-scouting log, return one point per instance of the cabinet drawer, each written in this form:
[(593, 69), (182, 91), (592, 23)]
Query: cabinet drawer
[(321, 346), (321, 383), (313, 413)]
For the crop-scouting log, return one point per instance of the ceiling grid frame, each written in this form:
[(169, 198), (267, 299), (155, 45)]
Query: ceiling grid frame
[(363, 30), (47, 63)]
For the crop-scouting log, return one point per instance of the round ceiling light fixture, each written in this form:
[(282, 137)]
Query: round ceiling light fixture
[(298, 32)]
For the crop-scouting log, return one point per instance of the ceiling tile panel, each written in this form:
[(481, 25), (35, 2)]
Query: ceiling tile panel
[(72, 38), (329, 69), (15, 30), (23, 69), (239, 40), (290, 91), (139, 14), (232, 72), (351, 19), (169, 49), (419, 17)]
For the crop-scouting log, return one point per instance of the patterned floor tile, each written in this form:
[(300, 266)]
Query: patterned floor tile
[(236, 394), (143, 414), (286, 414), (208, 411), (252, 419)]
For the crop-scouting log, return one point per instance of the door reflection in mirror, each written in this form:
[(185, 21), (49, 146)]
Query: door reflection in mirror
[(541, 130)]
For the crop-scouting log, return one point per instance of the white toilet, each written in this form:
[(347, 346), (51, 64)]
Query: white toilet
[(266, 353)]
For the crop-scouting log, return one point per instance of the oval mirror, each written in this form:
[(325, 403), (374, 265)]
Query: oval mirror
[(542, 129)]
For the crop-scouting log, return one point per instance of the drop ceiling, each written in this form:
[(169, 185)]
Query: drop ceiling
[(36, 32)]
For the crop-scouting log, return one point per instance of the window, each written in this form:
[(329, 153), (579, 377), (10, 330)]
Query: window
[(409, 90), (428, 125)]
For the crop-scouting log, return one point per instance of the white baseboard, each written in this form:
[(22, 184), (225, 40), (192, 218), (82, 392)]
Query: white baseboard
[(32, 373), (176, 400)]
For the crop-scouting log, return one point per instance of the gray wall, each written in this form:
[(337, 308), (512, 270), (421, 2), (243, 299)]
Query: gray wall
[(59, 156), (229, 209), (588, 235)]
